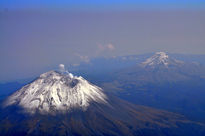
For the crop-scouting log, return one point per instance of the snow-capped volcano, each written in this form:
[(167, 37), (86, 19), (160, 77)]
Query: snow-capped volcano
[(58, 96), (160, 58), (57, 91)]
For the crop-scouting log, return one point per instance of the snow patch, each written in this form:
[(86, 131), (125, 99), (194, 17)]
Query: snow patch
[(56, 91)]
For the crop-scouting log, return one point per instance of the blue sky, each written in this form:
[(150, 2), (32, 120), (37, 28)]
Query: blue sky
[(102, 4)]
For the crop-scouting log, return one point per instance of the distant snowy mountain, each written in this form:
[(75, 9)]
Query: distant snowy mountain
[(161, 81), (159, 68), (57, 91), (99, 67), (160, 59)]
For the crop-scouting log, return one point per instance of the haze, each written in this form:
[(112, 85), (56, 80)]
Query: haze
[(38, 35)]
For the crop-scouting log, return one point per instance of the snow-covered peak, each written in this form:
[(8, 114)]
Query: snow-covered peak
[(162, 55), (56, 91), (160, 58)]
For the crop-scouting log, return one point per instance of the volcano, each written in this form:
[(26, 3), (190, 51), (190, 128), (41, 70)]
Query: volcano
[(56, 92), (161, 59), (58, 103)]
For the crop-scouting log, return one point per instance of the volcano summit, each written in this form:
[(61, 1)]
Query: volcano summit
[(56, 91)]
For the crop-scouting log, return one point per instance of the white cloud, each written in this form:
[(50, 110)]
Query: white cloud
[(83, 58), (110, 46), (61, 68), (64, 71), (102, 50), (106, 47)]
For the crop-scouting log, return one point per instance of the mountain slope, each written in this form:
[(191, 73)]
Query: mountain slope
[(8, 88), (119, 118), (162, 82), (101, 114)]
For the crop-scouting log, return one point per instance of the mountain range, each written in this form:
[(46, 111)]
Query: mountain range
[(58, 103), (99, 65), (161, 81), (151, 94), (162, 68)]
